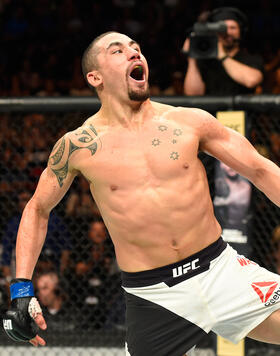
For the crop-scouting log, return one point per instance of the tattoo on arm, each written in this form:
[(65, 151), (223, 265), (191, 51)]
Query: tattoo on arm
[(86, 140), (56, 158), (61, 174), (73, 147)]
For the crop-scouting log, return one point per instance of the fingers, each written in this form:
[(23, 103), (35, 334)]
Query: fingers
[(40, 321), (37, 340), (186, 45)]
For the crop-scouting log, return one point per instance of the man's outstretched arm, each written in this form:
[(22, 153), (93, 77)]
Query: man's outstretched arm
[(53, 184), (237, 152), (34, 222)]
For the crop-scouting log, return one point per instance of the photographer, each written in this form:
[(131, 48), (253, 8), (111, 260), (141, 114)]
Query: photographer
[(226, 68)]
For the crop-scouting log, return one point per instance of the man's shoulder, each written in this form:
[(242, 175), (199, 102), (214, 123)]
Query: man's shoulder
[(82, 134), (81, 140), (188, 114), (177, 112), (193, 119)]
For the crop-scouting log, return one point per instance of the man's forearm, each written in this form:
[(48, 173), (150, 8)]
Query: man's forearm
[(242, 74), (268, 181), (193, 83), (30, 239)]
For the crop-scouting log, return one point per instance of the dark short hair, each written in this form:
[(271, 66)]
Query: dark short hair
[(89, 58)]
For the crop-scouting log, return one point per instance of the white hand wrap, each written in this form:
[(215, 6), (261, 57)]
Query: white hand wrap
[(34, 308)]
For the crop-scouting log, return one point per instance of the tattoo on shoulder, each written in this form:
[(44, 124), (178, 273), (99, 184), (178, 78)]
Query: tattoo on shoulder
[(83, 138), (61, 173), (56, 158)]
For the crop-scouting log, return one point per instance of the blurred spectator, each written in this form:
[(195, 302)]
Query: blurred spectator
[(232, 203), (93, 275), (17, 25), (57, 309), (271, 63), (176, 86), (80, 208), (79, 87), (48, 88), (56, 250), (234, 71), (67, 27), (276, 84), (275, 147), (80, 201), (276, 248)]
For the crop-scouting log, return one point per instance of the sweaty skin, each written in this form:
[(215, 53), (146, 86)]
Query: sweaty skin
[(148, 182), (149, 185), (141, 161)]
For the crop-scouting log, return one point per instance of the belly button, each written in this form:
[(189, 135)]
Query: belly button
[(174, 243), (114, 187), (185, 166)]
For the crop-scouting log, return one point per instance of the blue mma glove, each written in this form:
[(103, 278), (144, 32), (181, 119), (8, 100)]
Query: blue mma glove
[(18, 321)]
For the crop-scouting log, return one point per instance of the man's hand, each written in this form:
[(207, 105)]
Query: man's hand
[(23, 320), (186, 45), (221, 51)]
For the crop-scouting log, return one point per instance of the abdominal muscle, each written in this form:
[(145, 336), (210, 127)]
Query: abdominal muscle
[(155, 225)]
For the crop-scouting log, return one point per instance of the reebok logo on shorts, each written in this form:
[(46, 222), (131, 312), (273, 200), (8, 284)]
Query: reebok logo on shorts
[(190, 266), (265, 290)]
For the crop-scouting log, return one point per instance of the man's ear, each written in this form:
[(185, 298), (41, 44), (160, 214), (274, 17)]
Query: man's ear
[(94, 78)]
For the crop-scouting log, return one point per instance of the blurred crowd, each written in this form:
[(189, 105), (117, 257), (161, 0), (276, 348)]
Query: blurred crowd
[(76, 270), (42, 41), (41, 46)]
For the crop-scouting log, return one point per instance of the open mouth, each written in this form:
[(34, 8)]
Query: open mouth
[(137, 73)]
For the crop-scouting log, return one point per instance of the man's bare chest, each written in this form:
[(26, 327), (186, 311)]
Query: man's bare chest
[(161, 151)]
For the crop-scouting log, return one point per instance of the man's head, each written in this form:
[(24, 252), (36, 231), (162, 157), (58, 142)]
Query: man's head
[(114, 65), (47, 287), (236, 23), (97, 232)]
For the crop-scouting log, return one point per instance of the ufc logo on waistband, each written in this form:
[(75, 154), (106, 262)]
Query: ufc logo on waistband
[(190, 266), (7, 324)]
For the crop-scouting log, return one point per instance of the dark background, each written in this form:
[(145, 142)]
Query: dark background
[(42, 40)]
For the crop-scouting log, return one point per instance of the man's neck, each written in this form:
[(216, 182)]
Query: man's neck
[(56, 305), (131, 115)]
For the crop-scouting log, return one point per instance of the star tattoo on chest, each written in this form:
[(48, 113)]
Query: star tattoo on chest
[(162, 128), (174, 155), (156, 142), (177, 132)]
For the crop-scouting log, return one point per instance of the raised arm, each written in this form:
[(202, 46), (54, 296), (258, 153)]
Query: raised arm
[(193, 83), (241, 73), (236, 151), (53, 184)]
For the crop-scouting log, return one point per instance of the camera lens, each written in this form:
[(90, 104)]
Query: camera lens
[(203, 45)]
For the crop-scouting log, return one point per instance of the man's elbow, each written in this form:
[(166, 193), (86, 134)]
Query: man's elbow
[(260, 177), (189, 91), (37, 207), (254, 80)]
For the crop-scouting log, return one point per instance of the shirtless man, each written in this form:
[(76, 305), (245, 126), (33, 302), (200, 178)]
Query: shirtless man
[(141, 161)]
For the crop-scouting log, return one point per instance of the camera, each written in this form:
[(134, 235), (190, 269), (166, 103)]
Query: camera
[(204, 39)]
